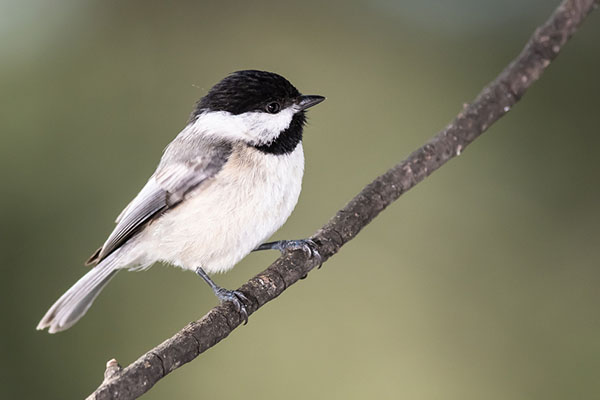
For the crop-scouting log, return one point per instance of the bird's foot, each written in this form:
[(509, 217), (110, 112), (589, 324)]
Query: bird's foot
[(308, 246), (238, 299)]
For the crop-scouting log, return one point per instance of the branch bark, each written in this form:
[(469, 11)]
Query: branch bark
[(493, 102)]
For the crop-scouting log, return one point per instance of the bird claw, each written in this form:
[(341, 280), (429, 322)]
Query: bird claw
[(238, 299), (308, 246)]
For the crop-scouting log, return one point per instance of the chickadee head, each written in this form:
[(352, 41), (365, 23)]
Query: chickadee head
[(260, 108)]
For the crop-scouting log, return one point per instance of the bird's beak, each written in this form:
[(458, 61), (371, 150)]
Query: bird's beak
[(307, 101)]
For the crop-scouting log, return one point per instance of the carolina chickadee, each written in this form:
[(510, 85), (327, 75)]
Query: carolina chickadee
[(226, 183)]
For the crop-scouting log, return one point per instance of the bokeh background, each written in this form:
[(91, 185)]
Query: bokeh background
[(481, 282)]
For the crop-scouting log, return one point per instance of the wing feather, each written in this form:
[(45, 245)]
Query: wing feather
[(151, 200), (167, 187)]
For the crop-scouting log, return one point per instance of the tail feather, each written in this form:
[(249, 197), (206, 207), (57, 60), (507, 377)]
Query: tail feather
[(72, 305)]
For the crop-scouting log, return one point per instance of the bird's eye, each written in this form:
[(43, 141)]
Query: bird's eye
[(273, 108)]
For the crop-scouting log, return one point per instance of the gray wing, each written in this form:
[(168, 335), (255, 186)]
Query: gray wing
[(185, 165)]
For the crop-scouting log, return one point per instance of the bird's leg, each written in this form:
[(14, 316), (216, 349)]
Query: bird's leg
[(306, 245), (235, 296)]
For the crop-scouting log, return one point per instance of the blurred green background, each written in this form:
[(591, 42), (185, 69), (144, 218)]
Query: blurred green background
[(482, 282)]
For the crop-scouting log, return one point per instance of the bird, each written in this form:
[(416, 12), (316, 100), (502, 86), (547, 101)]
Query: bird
[(226, 183)]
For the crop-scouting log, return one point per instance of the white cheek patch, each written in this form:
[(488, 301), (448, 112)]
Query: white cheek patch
[(254, 127), (220, 124), (264, 127)]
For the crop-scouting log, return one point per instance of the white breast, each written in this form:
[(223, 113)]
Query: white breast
[(225, 219)]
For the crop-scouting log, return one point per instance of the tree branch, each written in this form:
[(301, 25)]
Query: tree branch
[(493, 102)]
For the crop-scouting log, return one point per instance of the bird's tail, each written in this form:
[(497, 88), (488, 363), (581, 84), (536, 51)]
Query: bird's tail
[(72, 305)]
